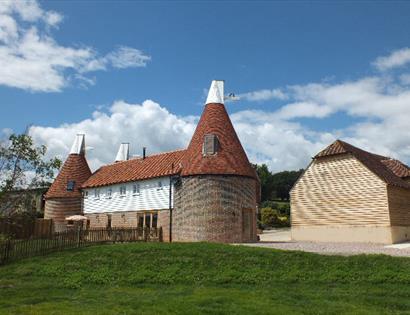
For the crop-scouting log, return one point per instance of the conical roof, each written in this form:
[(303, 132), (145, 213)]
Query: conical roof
[(229, 158), (75, 171)]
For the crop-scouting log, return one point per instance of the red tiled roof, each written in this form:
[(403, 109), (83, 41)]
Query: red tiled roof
[(230, 158), (397, 167), (157, 165), (387, 169), (75, 168)]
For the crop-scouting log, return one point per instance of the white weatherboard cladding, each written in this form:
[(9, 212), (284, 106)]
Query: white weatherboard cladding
[(150, 197)]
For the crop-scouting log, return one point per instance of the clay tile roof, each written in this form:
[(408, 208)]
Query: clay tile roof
[(157, 165), (387, 169), (397, 167), (76, 169), (230, 159)]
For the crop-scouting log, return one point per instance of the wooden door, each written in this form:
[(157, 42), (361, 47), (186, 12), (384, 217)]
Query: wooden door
[(247, 228)]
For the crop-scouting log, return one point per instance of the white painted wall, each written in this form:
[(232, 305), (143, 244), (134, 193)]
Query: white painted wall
[(150, 197)]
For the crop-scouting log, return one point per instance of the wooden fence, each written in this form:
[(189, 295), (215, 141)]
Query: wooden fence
[(24, 228), (15, 249)]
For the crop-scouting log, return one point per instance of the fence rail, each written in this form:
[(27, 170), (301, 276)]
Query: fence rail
[(14, 249)]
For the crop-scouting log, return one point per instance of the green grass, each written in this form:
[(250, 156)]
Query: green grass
[(159, 278)]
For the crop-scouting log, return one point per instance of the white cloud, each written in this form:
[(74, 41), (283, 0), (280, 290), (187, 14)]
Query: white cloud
[(125, 57), (31, 59), (279, 138), (147, 124), (396, 59), (263, 95)]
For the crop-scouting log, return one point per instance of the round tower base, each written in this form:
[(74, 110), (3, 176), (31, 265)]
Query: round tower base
[(215, 208)]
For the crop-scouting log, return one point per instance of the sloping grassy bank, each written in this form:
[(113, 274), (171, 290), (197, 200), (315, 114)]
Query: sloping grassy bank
[(158, 278)]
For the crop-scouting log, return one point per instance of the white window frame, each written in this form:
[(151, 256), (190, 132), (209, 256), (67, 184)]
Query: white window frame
[(108, 194), (97, 193), (123, 190), (159, 185), (136, 189)]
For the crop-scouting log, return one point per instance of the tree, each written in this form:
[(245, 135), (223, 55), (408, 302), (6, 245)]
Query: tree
[(276, 185), (283, 182), (22, 167), (265, 176)]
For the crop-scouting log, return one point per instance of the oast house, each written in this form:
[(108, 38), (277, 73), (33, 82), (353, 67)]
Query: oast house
[(210, 189)]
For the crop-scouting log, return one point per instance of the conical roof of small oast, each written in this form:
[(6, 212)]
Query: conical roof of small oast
[(76, 169), (230, 159)]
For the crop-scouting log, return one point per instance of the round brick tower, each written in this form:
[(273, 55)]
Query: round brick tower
[(216, 199), (64, 198)]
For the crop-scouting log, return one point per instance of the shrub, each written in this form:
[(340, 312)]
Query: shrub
[(284, 209), (269, 204), (269, 216), (272, 218)]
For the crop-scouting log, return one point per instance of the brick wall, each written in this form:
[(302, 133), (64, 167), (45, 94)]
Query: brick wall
[(163, 220), (210, 208)]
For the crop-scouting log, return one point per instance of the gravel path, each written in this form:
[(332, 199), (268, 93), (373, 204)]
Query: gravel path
[(281, 239), (345, 249)]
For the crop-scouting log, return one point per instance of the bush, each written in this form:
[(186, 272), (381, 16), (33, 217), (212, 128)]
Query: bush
[(269, 204), (272, 218), (284, 209), (4, 237)]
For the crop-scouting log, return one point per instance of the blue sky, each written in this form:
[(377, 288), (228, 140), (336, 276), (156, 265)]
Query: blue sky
[(307, 73)]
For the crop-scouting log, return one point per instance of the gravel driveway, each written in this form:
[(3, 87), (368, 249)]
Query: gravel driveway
[(280, 239)]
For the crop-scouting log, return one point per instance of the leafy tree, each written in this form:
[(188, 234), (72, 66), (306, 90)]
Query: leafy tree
[(283, 182), (22, 167), (265, 177), (276, 185)]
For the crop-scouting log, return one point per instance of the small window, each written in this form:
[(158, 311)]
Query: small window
[(148, 219), (154, 220), (123, 190), (109, 193), (70, 185), (159, 185), (210, 145), (96, 193), (136, 189), (86, 194)]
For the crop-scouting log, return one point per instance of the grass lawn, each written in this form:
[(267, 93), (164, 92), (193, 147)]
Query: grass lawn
[(160, 278)]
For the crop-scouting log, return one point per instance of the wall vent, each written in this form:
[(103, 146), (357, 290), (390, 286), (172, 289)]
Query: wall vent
[(210, 145)]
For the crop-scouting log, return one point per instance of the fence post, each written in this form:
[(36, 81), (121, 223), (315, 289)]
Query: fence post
[(78, 236), (7, 250)]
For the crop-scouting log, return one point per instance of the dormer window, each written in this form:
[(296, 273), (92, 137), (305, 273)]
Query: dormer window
[(70, 185), (210, 145)]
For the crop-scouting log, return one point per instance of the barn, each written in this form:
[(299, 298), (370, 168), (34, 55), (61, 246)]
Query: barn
[(349, 195), (206, 192)]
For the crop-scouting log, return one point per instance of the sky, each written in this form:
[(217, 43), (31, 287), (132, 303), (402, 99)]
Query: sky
[(305, 73)]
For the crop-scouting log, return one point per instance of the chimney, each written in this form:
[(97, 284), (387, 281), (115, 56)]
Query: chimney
[(216, 92), (78, 145), (144, 152), (123, 152)]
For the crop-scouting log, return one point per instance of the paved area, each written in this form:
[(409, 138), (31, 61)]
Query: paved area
[(281, 239)]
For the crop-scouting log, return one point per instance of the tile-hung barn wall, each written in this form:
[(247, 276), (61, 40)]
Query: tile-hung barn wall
[(152, 194)]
